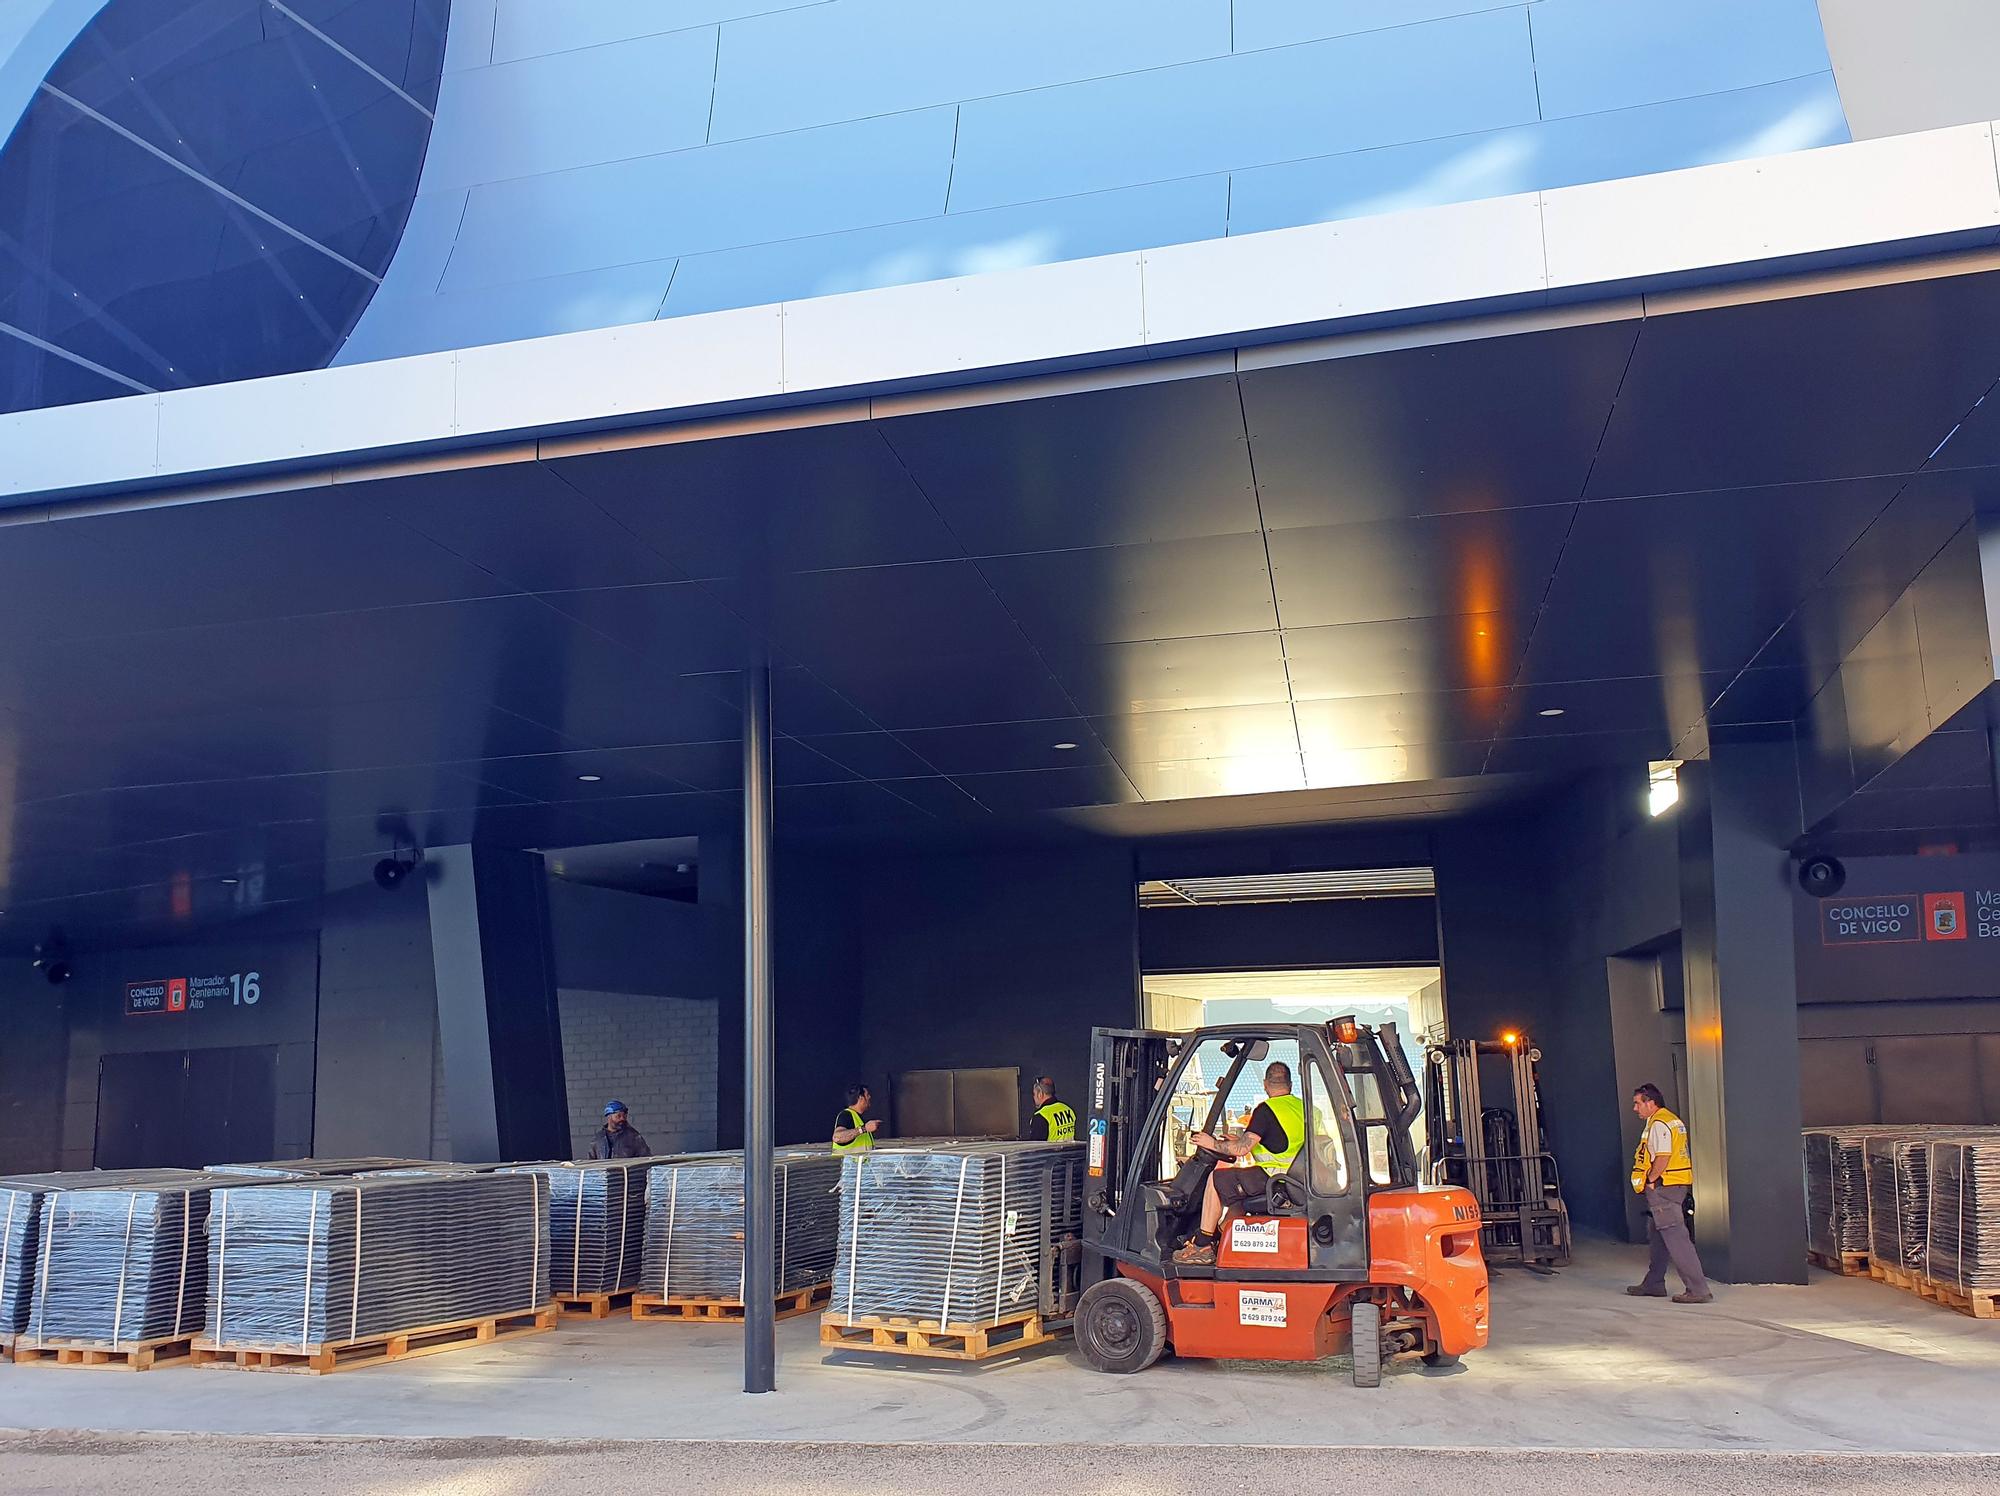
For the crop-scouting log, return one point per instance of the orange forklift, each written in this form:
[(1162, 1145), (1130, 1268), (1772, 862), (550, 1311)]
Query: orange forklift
[(1355, 1255)]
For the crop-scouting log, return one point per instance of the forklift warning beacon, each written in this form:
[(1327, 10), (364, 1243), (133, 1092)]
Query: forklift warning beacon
[(1354, 1253)]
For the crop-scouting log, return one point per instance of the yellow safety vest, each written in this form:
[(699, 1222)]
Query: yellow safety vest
[(1291, 1114), (1061, 1121), (849, 1117), (1680, 1167)]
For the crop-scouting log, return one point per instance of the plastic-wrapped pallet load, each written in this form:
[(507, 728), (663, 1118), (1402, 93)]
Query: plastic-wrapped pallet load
[(694, 1224), (1964, 1245), (1898, 1172), (307, 1263), (966, 1233), (1836, 1179), (119, 1257), (597, 1223)]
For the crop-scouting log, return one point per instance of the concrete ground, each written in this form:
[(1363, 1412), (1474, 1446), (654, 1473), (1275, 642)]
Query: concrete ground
[(1725, 1394), (142, 1465)]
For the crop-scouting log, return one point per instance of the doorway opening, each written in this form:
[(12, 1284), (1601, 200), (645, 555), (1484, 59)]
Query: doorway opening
[(1411, 997)]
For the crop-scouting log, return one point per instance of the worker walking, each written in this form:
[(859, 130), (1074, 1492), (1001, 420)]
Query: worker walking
[(1662, 1173), (1054, 1121), (618, 1138), (851, 1132)]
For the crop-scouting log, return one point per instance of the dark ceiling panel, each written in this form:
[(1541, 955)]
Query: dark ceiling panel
[(1127, 593), (878, 613), (766, 504), (1002, 747), (353, 735), (1172, 674), (679, 626), (522, 523), (1794, 390), (1594, 750), (1976, 443), (1428, 567), (317, 550), (872, 755), (1492, 423), (954, 692), (1049, 789), (1691, 583), (583, 775), (1336, 724), (1670, 704), (1466, 651), (1147, 463), (719, 765), (1206, 732)]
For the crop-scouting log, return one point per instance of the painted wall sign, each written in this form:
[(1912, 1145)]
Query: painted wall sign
[(1903, 927), (207, 992)]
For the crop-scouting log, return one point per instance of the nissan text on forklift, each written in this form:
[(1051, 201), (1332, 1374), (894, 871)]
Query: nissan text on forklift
[(1355, 1254)]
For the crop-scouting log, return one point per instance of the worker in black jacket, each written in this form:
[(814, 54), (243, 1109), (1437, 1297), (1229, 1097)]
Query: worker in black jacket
[(618, 1138)]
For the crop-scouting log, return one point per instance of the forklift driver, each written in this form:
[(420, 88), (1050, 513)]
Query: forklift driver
[(1271, 1142)]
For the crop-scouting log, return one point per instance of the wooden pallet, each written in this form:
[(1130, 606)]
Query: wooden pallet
[(914, 1337), (351, 1355), (594, 1305), (1895, 1277), (788, 1305), (127, 1355), (1979, 1303), (1848, 1264)]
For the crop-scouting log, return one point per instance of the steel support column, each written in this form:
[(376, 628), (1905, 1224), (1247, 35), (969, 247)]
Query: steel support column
[(759, 1196)]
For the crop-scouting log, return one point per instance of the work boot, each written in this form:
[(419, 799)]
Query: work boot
[(1641, 1291), (1196, 1254), (1694, 1298)]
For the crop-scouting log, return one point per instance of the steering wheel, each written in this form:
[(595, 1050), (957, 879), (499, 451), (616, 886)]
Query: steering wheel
[(1204, 1151)]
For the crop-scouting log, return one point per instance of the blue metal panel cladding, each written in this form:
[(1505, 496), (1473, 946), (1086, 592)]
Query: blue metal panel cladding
[(597, 162), (207, 190), (626, 159)]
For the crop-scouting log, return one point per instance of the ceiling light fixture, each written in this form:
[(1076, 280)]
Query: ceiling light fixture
[(1550, 711), (229, 882), (588, 778), (1065, 747)]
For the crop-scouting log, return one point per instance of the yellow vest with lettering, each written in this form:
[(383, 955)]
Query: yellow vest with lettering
[(1061, 1121), (1680, 1167)]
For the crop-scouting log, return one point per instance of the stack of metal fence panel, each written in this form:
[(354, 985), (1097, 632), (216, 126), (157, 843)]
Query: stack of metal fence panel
[(1898, 1174), (317, 1262), (1836, 1179), (694, 1223), (1964, 1229), (960, 1233), (119, 1257), (21, 1230), (597, 1222), (321, 1168)]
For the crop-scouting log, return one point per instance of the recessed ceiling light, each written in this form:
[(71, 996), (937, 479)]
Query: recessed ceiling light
[(230, 881), (1064, 747), (588, 778), (1551, 711)]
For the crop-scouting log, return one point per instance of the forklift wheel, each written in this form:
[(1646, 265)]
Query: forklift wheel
[(1367, 1345), (1440, 1360), (1120, 1326)]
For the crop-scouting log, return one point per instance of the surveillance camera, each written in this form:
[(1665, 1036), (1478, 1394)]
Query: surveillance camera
[(1822, 877)]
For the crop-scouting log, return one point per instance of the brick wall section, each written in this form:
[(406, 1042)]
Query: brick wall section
[(656, 1054)]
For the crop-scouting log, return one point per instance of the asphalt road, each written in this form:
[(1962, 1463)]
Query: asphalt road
[(72, 1464)]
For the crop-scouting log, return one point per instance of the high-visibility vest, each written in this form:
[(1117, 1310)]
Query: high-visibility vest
[(1680, 1167), (1061, 1122), (1291, 1114), (849, 1117)]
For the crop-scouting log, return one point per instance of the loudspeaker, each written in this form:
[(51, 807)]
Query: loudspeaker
[(390, 873), (1822, 877)]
